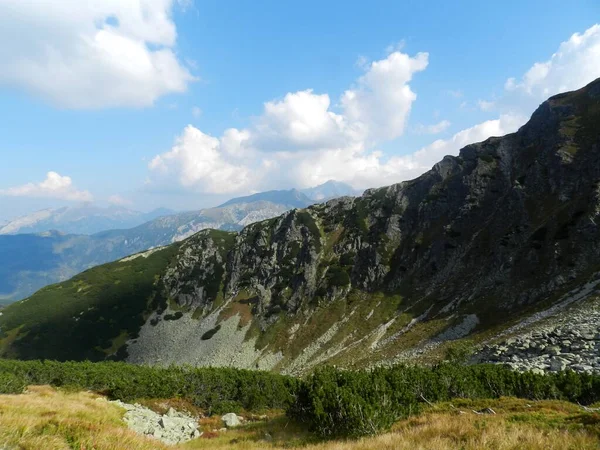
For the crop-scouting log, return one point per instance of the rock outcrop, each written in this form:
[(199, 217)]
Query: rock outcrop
[(171, 428)]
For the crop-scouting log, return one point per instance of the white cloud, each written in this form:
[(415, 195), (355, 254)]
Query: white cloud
[(92, 54), (197, 162), (485, 105), (301, 121), (382, 98), (575, 64), (426, 157), (196, 112), (372, 169), (54, 186), (117, 200), (299, 129), (435, 128)]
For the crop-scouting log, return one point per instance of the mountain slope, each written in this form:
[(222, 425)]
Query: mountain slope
[(482, 239)]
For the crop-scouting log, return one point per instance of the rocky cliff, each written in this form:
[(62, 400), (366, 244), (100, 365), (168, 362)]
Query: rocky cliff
[(482, 240)]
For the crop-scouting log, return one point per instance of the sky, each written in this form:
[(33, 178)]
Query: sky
[(185, 103)]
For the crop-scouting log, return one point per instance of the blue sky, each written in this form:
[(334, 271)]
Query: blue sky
[(129, 102)]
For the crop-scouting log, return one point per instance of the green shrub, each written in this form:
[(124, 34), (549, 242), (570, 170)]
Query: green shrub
[(214, 389), (11, 384), (210, 333), (345, 403)]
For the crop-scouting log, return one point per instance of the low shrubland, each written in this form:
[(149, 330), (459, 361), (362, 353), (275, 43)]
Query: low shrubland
[(215, 390), (330, 402), (339, 403)]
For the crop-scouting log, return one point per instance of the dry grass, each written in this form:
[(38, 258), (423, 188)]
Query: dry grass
[(45, 418)]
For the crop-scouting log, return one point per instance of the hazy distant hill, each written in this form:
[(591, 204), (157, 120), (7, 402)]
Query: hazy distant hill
[(84, 219), (330, 189)]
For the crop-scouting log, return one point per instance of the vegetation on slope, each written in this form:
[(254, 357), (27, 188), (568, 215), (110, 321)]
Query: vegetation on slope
[(62, 419), (81, 318), (331, 403), (215, 390)]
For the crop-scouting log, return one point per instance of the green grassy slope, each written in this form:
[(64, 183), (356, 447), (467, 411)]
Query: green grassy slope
[(87, 316)]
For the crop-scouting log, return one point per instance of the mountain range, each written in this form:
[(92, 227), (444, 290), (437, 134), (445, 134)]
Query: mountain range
[(59, 256), (494, 238), (82, 219)]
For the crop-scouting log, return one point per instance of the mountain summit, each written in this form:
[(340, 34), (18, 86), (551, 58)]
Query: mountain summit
[(503, 230)]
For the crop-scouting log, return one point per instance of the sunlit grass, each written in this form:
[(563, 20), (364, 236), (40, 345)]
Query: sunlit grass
[(46, 418)]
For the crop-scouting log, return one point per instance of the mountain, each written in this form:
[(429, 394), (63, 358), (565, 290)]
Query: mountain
[(59, 256), (488, 241), (292, 198), (83, 219), (328, 190)]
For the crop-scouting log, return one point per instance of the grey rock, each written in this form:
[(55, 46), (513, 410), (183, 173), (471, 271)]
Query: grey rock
[(231, 420), (172, 428)]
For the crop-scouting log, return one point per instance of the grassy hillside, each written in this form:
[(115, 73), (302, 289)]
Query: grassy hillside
[(89, 316)]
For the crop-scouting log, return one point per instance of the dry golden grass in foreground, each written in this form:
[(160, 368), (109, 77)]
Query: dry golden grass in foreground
[(45, 418)]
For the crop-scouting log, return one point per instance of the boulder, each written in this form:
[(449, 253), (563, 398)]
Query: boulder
[(231, 420), (556, 365)]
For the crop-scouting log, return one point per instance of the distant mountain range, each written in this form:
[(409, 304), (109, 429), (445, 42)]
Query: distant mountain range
[(29, 262), (84, 219)]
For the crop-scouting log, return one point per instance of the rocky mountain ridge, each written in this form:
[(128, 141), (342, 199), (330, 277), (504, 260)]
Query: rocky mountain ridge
[(491, 236)]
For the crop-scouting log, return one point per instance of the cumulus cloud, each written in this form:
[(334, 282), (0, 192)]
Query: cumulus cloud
[(197, 161), (382, 98), (92, 54), (54, 186), (299, 129), (426, 157), (435, 128), (575, 64), (301, 121)]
